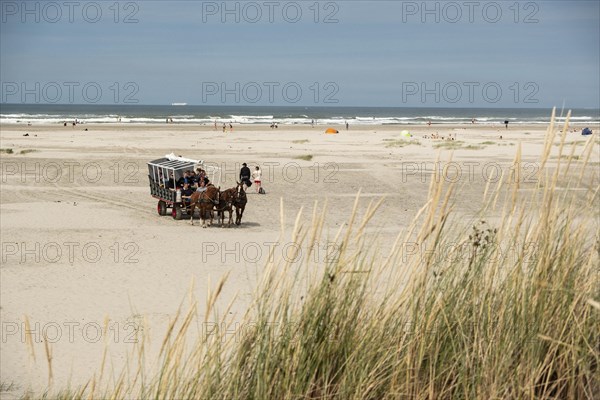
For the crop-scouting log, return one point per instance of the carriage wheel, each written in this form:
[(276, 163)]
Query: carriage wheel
[(177, 212), (161, 208)]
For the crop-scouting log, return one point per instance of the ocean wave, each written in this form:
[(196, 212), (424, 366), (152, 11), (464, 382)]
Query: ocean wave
[(288, 119)]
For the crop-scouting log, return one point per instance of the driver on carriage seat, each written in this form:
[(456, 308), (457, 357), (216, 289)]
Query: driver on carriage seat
[(204, 185), (186, 193)]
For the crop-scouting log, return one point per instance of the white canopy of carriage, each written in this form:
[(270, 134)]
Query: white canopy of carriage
[(161, 168)]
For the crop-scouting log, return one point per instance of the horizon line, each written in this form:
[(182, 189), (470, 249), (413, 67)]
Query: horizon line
[(293, 106)]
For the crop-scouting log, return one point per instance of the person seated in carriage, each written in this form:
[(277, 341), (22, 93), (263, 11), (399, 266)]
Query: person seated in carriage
[(200, 175), (180, 182), (162, 181), (187, 178), (170, 183), (193, 178)]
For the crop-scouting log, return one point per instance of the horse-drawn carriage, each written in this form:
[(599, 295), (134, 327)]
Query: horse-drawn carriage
[(165, 174)]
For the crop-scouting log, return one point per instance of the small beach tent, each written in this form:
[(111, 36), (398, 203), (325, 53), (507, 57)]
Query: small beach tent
[(331, 131), (586, 131), (405, 133)]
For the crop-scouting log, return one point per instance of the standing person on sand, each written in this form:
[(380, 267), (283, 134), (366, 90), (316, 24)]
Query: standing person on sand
[(506, 124), (257, 175), (245, 175)]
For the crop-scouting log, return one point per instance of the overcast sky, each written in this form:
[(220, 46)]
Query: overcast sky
[(340, 53)]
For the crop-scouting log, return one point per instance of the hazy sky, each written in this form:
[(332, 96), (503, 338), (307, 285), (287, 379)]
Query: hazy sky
[(341, 53)]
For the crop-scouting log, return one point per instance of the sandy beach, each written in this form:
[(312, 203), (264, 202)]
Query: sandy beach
[(87, 263)]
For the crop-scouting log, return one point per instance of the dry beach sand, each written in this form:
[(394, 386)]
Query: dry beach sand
[(88, 263)]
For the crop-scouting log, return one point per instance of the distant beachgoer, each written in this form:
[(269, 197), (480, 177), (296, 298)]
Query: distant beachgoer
[(428, 123), (224, 127), (472, 120), (230, 127), (215, 124), (65, 124), (346, 125), (506, 124), (312, 123)]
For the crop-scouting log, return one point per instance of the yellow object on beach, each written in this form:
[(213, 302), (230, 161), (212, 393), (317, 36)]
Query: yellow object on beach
[(331, 131)]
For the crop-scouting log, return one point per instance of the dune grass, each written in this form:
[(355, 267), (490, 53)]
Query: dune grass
[(449, 144), (504, 307), (574, 143), (306, 157), (401, 143), (301, 141), (7, 387), (6, 151), (565, 157), (27, 151)]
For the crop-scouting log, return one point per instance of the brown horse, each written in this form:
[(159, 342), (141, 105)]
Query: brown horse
[(226, 201), (240, 203), (205, 201)]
